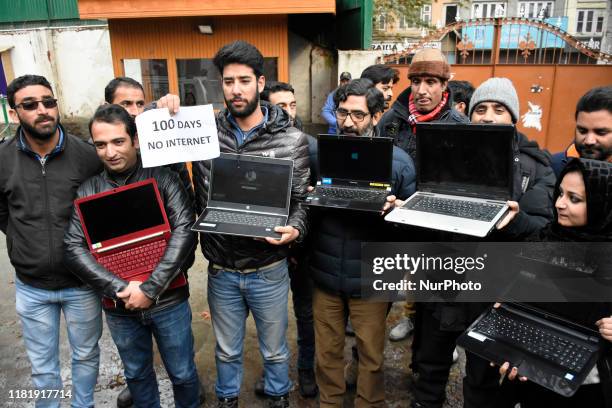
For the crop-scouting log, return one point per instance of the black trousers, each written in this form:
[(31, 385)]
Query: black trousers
[(432, 361), (302, 288)]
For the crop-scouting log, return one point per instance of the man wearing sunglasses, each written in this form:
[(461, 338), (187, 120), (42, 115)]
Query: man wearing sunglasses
[(40, 170)]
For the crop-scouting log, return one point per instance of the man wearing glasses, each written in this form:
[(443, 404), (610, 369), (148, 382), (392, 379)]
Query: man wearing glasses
[(335, 265), (40, 170)]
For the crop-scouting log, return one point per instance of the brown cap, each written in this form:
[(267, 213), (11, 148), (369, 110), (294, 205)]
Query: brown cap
[(429, 62)]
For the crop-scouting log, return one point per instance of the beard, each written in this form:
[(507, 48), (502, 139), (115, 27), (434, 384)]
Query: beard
[(248, 109), (352, 130), (593, 152), (37, 134)]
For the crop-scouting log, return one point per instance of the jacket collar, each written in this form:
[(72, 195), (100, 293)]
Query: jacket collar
[(400, 106), (125, 178), (277, 120), (23, 146)]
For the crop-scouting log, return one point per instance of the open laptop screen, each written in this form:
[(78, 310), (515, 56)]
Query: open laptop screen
[(250, 182), (121, 213), (477, 155), (355, 158)]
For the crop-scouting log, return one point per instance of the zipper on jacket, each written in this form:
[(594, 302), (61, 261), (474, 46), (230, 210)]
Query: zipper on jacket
[(43, 162)]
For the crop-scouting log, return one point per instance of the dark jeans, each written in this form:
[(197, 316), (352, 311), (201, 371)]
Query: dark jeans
[(171, 328), (302, 288)]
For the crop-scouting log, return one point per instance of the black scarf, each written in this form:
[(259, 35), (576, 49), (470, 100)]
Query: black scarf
[(597, 177)]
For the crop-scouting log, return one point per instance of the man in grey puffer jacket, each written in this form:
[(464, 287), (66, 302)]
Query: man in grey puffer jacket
[(246, 274)]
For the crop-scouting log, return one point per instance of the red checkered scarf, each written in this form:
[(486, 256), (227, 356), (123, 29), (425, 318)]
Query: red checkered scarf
[(416, 116)]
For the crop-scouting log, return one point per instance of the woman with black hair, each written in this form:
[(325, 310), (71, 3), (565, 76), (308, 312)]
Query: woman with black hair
[(583, 213)]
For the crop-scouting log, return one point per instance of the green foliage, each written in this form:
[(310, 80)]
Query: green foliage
[(394, 9)]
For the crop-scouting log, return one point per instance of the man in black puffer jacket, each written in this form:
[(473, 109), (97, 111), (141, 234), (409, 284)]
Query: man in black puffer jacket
[(247, 274), (158, 306)]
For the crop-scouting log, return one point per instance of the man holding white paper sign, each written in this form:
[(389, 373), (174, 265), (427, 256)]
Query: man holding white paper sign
[(247, 274), (189, 135)]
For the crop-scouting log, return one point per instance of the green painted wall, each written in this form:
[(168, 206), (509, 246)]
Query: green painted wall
[(18, 11), (354, 24)]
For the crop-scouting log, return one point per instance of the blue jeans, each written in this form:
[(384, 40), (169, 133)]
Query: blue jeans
[(231, 295), (39, 311), (171, 328)]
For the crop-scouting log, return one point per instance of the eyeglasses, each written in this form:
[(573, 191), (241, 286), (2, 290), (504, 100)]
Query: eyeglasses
[(32, 105), (356, 116)]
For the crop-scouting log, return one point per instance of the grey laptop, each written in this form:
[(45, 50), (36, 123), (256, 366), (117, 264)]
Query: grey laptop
[(248, 196), (464, 178)]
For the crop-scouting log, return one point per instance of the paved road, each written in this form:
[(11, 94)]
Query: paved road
[(15, 367)]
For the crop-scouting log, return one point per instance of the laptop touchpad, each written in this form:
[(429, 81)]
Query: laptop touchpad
[(495, 348)]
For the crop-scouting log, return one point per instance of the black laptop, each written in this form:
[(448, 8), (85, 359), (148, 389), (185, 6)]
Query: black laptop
[(248, 196), (552, 344), (354, 172)]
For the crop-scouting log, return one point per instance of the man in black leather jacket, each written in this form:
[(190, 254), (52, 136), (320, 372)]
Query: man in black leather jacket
[(156, 306), (245, 274)]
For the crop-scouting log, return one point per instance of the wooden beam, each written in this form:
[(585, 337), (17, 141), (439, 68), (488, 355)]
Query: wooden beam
[(110, 9)]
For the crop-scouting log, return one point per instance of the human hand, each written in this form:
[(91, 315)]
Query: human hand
[(133, 297), (510, 215), (170, 101), (391, 199), (605, 327), (512, 375), (289, 234)]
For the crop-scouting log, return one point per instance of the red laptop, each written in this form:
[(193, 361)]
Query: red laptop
[(127, 230)]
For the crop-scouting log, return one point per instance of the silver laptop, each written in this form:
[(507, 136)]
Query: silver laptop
[(248, 196), (464, 178)]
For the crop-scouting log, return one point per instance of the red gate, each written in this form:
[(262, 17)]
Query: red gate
[(549, 68)]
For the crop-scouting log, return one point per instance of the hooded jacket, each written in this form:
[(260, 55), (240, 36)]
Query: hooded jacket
[(394, 122), (276, 138), (533, 186), (178, 256), (35, 204)]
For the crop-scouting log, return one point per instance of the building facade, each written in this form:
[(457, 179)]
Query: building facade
[(588, 21)]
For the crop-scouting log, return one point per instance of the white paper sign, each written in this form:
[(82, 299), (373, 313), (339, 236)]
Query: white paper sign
[(190, 135)]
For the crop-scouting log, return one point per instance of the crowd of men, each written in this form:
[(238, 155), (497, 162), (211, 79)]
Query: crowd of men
[(43, 169)]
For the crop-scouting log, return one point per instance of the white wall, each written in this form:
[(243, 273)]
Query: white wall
[(356, 61), (77, 62)]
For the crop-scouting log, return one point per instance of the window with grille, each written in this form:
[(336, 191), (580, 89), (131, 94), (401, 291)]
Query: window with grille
[(488, 10), (536, 9), (426, 14), (381, 22), (402, 23), (590, 22)]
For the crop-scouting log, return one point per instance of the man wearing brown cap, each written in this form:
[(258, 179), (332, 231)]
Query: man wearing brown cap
[(427, 100)]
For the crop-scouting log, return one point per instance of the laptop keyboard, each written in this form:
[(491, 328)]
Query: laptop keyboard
[(124, 262), (480, 211), (230, 217), (351, 194), (536, 340)]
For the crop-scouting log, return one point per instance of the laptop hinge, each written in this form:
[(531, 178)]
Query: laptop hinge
[(557, 326), (131, 241), (248, 211)]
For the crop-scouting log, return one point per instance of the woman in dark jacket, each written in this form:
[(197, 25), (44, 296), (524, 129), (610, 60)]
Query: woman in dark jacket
[(583, 213)]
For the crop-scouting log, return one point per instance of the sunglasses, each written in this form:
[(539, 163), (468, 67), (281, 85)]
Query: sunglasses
[(32, 105)]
